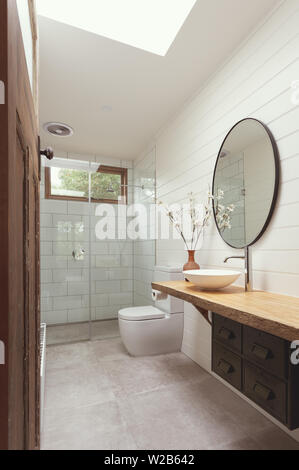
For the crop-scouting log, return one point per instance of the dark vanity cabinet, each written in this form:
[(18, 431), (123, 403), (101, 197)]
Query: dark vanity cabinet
[(258, 365)]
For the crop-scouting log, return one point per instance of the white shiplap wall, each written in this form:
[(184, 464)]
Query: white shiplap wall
[(254, 82)]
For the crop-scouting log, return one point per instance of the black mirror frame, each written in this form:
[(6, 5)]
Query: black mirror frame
[(276, 185)]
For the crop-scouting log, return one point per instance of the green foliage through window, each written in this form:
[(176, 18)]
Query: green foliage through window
[(75, 183)]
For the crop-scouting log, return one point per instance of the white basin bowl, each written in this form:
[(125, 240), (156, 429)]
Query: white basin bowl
[(211, 279)]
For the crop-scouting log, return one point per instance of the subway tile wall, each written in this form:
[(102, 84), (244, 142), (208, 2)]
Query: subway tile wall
[(145, 249), (230, 172), (100, 284)]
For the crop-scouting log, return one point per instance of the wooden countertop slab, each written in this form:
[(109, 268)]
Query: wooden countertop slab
[(273, 313)]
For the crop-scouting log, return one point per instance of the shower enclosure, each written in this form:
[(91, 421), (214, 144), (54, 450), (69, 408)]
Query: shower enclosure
[(231, 179), (88, 260)]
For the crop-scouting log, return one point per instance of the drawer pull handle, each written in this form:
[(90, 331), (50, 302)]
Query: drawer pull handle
[(225, 366), (226, 334), (261, 352), (263, 392)]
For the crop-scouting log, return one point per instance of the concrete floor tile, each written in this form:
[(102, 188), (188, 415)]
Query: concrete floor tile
[(98, 397), (243, 444), (87, 428), (275, 439)]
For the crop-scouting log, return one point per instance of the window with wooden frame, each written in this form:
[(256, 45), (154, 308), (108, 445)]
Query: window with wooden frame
[(109, 185)]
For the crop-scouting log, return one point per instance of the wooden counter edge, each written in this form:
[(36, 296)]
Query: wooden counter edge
[(267, 325)]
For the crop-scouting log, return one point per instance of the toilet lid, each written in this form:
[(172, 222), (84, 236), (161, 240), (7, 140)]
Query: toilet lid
[(141, 313)]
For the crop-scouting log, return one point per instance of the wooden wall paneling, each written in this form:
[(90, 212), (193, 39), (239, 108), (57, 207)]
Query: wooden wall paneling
[(19, 238), (4, 228)]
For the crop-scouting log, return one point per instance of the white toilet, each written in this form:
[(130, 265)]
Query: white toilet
[(147, 331)]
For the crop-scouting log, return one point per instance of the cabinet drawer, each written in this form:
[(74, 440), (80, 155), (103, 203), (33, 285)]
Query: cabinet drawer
[(228, 365), (266, 350), (265, 390), (227, 332)]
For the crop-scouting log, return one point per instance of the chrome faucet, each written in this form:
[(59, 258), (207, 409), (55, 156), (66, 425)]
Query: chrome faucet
[(248, 267)]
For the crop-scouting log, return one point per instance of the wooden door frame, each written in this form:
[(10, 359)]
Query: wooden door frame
[(18, 111), (4, 284)]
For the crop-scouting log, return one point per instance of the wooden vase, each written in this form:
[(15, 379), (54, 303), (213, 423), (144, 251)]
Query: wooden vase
[(191, 265)]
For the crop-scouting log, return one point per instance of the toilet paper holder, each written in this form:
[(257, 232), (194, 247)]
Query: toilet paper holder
[(157, 295)]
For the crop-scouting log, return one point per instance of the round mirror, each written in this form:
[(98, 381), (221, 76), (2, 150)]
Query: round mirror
[(245, 183)]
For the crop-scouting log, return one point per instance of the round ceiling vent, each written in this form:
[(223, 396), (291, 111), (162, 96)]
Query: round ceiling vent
[(58, 129)]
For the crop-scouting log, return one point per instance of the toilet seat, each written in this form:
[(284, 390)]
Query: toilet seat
[(141, 313)]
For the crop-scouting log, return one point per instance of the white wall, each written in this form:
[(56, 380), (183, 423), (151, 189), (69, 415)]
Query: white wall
[(255, 82)]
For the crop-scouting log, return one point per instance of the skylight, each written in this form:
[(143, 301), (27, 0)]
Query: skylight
[(151, 25)]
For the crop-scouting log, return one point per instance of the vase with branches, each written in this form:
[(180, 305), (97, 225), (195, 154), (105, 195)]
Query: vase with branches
[(190, 220)]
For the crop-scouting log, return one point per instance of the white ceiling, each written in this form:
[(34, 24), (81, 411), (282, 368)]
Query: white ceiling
[(116, 97)]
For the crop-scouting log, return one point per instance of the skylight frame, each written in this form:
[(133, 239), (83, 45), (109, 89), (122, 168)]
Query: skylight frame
[(150, 25)]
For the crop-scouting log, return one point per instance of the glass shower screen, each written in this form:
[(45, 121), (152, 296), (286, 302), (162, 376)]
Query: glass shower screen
[(65, 250), (111, 251), (86, 276)]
